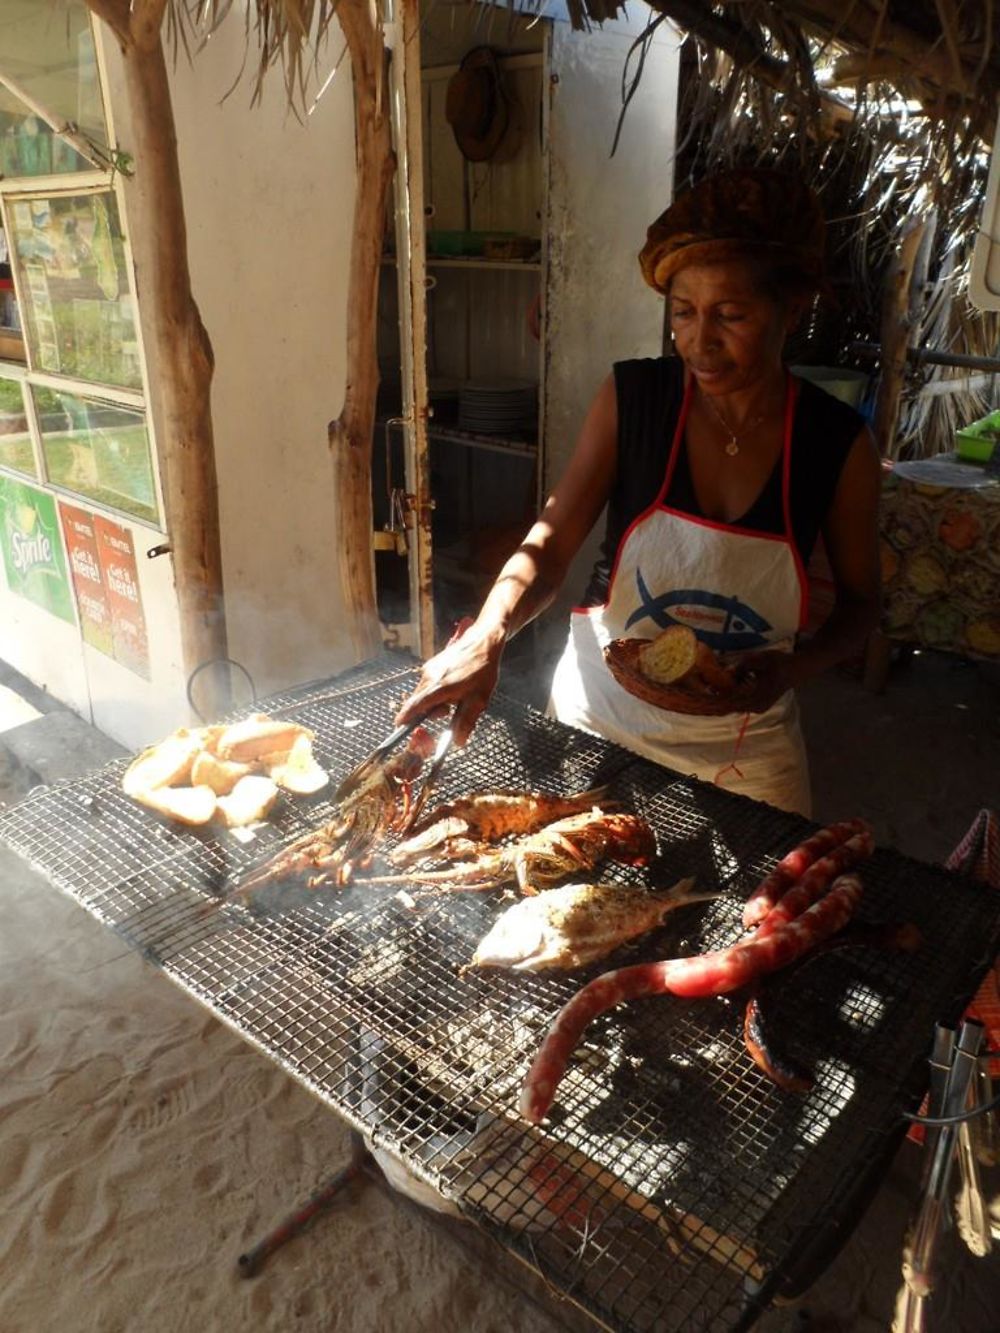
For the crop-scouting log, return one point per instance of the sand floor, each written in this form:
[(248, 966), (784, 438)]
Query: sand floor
[(143, 1146)]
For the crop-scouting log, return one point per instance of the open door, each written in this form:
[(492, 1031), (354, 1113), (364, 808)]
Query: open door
[(460, 344), (509, 284)]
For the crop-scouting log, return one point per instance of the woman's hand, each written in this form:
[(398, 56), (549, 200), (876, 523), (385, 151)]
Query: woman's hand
[(463, 673), (762, 678)]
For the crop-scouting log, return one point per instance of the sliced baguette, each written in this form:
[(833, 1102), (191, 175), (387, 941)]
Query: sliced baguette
[(221, 775), (165, 764), (248, 741), (678, 656), (298, 771), (188, 805), (249, 802), (670, 656)]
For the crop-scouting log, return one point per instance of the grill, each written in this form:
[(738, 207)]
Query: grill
[(675, 1187)]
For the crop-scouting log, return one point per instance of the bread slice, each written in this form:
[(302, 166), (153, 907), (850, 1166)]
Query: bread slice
[(670, 656), (298, 771), (256, 737), (187, 805), (249, 802), (678, 656), (165, 764), (221, 775)]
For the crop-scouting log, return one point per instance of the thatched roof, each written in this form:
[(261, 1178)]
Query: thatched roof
[(888, 108), (943, 54)]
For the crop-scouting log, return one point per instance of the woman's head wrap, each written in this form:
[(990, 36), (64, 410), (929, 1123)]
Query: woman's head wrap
[(744, 214)]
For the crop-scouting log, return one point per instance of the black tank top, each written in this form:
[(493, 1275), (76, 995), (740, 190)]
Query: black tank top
[(650, 393)]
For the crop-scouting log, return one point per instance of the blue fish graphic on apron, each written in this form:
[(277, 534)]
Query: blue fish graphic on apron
[(739, 626)]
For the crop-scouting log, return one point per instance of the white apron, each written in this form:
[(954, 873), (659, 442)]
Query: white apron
[(738, 590)]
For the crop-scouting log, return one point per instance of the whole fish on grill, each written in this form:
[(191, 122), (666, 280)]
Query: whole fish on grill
[(454, 830), (576, 924)]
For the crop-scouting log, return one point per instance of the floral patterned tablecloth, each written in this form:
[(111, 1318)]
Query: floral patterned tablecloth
[(940, 549)]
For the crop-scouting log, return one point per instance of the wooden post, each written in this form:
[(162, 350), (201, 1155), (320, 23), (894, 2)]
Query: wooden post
[(183, 352), (350, 436), (897, 327)]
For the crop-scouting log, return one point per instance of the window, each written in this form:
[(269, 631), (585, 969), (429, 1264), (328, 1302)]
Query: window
[(73, 418), (76, 303), (97, 450), (16, 450), (48, 56)]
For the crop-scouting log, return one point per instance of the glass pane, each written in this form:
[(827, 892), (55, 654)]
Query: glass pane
[(15, 438), (77, 307), (48, 53), (97, 450)]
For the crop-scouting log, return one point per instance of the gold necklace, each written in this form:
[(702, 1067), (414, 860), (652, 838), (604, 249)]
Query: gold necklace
[(733, 447)]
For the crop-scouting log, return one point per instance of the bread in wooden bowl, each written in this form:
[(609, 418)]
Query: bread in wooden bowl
[(678, 673)]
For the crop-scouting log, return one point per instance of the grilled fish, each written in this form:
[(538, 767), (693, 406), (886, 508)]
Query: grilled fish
[(576, 924)]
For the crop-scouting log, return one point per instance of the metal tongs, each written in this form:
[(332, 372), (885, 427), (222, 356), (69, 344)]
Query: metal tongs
[(956, 1086), (371, 761), (363, 770)]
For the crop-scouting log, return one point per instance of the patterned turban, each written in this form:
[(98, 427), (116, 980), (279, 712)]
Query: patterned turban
[(747, 214)]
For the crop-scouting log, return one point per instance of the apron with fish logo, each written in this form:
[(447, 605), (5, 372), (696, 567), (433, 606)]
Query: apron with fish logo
[(739, 590)]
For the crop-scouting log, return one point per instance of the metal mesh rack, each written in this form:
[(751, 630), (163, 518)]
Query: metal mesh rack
[(675, 1188)]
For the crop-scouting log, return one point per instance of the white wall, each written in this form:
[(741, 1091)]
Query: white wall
[(598, 308), (268, 200), (45, 649), (269, 203)]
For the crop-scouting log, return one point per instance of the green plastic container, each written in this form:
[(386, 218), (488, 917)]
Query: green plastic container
[(461, 244), (976, 443)]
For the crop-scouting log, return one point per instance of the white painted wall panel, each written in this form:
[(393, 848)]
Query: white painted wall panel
[(45, 649), (599, 309), (269, 200)]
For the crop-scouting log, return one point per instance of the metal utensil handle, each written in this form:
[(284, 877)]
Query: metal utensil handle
[(919, 1271), (437, 762), (349, 783), (942, 1055)]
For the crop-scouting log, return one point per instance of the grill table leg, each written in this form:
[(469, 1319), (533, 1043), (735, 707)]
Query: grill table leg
[(250, 1264)]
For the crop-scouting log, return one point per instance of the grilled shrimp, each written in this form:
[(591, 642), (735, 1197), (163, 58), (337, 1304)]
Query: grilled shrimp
[(379, 805), (565, 847)]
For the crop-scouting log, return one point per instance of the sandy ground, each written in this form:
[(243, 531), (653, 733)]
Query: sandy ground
[(143, 1146)]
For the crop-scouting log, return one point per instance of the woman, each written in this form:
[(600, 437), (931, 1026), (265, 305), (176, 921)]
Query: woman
[(719, 470)]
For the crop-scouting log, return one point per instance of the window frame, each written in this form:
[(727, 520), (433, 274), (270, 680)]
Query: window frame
[(76, 184)]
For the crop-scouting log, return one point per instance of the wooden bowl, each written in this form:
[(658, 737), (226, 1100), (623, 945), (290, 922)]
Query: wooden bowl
[(622, 657)]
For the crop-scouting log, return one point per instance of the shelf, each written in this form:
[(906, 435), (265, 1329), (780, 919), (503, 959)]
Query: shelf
[(470, 440), (527, 449), (521, 265)]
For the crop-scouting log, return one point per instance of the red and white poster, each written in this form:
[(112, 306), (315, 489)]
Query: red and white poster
[(116, 555), (106, 584), (88, 582)]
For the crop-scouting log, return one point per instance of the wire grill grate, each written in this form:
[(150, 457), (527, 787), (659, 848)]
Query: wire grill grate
[(674, 1181)]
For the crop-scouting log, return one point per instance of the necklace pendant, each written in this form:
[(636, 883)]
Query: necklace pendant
[(732, 448)]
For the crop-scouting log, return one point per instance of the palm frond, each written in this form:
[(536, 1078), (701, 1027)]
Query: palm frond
[(283, 33)]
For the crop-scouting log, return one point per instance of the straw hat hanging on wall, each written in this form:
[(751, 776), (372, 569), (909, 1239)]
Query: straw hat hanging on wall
[(480, 110)]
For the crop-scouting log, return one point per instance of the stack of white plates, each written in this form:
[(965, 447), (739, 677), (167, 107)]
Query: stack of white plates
[(498, 407)]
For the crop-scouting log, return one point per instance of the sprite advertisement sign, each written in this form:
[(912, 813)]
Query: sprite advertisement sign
[(32, 547)]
